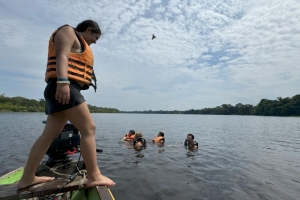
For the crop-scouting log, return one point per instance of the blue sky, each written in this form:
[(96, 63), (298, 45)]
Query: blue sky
[(206, 52)]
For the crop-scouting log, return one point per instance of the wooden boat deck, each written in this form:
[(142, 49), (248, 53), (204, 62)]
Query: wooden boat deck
[(10, 191)]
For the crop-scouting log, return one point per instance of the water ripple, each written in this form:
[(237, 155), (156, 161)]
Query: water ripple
[(239, 157)]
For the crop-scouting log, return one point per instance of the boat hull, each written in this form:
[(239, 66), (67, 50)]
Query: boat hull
[(70, 191)]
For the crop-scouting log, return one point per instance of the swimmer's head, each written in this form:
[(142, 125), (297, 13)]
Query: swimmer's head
[(131, 132), (160, 134), (138, 135)]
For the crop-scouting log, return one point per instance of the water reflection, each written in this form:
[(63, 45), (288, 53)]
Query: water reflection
[(140, 155), (161, 150), (160, 144), (189, 154)]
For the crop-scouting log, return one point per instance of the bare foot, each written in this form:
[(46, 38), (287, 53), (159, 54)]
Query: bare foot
[(23, 183), (99, 180)]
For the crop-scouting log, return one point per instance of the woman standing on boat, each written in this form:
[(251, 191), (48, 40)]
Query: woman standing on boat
[(69, 70)]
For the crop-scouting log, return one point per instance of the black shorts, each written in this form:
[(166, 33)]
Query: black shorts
[(52, 105)]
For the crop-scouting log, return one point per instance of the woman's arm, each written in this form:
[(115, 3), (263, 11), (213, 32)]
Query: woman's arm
[(63, 42)]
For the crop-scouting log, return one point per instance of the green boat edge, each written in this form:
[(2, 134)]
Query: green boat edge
[(14, 176)]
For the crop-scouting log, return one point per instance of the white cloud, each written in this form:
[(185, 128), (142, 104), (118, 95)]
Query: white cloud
[(205, 53)]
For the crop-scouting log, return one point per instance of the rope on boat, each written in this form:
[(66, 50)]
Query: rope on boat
[(83, 174), (54, 169), (71, 178)]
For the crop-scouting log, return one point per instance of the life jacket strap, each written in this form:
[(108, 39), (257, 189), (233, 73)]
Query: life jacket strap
[(95, 81)]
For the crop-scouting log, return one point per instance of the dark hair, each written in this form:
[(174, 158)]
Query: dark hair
[(132, 131), (191, 135), (81, 27), (161, 134)]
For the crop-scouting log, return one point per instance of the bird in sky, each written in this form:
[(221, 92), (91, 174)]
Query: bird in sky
[(153, 36)]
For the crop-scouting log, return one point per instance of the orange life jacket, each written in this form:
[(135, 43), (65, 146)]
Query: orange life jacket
[(128, 137), (158, 139), (80, 65)]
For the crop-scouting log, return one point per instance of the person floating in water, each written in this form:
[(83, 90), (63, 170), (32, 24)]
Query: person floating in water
[(190, 143), (160, 138), (129, 136), (69, 70), (139, 142)]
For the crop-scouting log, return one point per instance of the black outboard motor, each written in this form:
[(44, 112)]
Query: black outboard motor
[(68, 142)]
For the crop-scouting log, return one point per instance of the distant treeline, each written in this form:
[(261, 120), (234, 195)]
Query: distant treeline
[(21, 104), (280, 107)]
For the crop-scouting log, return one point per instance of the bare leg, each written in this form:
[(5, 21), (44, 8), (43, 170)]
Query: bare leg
[(53, 127), (81, 118)]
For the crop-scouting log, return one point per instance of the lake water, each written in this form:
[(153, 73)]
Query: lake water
[(239, 157)]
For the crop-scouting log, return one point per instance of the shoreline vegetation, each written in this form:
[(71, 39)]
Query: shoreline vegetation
[(22, 104), (289, 106)]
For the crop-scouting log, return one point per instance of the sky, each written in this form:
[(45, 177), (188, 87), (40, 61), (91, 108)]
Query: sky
[(206, 52)]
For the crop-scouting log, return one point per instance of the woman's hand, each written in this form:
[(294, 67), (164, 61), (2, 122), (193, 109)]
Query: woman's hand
[(62, 94)]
